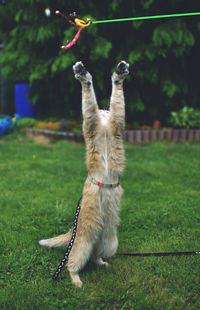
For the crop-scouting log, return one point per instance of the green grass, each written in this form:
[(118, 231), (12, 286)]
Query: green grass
[(39, 190)]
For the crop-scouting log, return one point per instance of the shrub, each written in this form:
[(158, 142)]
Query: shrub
[(27, 122), (186, 117)]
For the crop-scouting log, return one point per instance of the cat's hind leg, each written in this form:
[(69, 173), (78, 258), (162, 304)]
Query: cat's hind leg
[(78, 257), (100, 262), (89, 227)]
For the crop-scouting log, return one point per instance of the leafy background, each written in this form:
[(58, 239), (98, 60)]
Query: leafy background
[(163, 55)]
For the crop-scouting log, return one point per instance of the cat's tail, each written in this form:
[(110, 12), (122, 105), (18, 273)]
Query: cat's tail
[(62, 240)]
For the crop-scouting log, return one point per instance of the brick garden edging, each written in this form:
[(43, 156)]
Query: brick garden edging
[(175, 135), (131, 136)]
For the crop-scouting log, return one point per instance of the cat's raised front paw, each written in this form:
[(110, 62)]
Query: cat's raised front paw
[(122, 68), (79, 70)]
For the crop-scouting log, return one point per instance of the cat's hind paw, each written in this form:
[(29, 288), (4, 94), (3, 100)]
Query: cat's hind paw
[(122, 68), (76, 279), (100, 262), (77, 283)]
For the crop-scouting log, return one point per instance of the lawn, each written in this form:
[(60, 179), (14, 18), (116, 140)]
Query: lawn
[(39, 190)]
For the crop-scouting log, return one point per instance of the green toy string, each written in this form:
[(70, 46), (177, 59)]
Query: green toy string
[(144, 17)]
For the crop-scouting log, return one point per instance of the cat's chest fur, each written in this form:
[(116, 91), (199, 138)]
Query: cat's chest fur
[(105, 153)]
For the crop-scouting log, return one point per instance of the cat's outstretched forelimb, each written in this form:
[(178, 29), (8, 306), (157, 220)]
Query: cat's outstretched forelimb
[(81, 73), (89, 103), (121, 72), (117, 103), (122, 68)]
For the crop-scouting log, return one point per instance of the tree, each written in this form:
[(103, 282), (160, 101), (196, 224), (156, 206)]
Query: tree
[(163, 54)]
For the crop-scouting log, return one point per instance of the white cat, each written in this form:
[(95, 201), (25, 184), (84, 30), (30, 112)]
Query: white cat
[(96, 235)]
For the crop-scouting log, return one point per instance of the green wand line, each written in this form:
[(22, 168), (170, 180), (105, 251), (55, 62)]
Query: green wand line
[(144, 17)]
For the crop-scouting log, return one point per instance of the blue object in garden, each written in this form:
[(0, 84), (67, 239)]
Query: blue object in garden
[(23, 106), (4, 123), (7, 123)]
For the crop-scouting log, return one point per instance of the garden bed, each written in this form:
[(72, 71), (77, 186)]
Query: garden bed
[(131, 136)]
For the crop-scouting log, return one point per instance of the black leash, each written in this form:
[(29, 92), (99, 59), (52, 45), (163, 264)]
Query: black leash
[(160, 254), (65, 258)]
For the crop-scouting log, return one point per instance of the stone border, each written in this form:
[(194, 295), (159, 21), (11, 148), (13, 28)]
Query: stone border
[(131, 136), (31, 132), (175, 135)]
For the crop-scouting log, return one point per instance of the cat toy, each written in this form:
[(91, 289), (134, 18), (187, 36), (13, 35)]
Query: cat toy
[(75, 20)]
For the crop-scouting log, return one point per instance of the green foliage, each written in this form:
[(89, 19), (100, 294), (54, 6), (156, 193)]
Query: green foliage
[(137, 104), (101, 49), (162, 53), (170, 88), (174, 36), (137, 24), (186, 117), (146, 3), (26, 122), (114, 5)]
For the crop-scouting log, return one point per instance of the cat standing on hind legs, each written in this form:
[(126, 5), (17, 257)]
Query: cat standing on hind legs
[(96, 235)]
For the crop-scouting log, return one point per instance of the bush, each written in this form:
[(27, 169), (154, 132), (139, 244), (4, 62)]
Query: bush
[(63, 125), (186, 118), (27, 122)]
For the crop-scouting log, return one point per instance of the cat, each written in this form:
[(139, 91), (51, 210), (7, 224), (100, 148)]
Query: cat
[(96, 236)]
